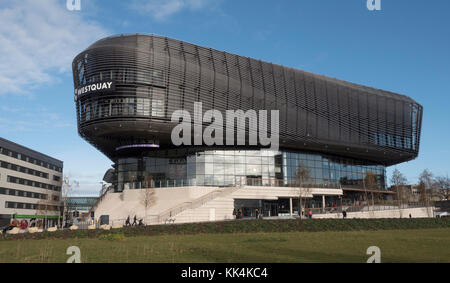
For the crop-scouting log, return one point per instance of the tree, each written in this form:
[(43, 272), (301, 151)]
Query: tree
[(422, 193), (43, 208), (67, 190), (148, 196), (423, 197), (48, 204), (370, 182), (302, 175), (398, 180), (443, 185), (425, 185), (426, 177)]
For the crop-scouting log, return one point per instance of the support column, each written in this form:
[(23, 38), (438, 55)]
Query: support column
[(290, 206), (323, 203)]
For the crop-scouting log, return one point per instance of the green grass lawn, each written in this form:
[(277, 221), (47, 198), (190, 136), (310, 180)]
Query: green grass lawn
[(423, 245)]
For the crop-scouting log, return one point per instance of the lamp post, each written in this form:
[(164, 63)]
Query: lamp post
[(65, 190), (103, 186)]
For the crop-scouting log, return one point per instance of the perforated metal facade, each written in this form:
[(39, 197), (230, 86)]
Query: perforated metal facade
[(154, 76)]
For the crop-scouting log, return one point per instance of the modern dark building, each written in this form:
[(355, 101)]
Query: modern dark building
[(128, 86)]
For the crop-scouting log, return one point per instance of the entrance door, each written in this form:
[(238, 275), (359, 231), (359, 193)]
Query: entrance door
[(270, 208)]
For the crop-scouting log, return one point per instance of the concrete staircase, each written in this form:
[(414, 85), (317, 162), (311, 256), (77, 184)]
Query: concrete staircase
[(201, 209)]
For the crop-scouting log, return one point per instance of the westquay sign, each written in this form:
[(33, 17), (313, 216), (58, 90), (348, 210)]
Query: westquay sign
[(100, 87)]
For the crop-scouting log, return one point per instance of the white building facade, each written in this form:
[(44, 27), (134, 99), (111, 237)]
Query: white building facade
[(30, 186)]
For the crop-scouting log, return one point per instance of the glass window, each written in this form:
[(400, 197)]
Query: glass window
[(408, 143), (253, 160), (129, 107), (253, 169), (252, 153), (325, 174), (239, 159), (239, 153), (88, 112), (142, 107), (219, 180), (239, 169), (390, 140), (209, 168), (116, 108), (382, 139), (219, 158), (219, 168), (104, 108), (209, 180), (157, 77), (209, 158), (229, 169), (229, 159), (158, 102), (229, 152), (398, 141)]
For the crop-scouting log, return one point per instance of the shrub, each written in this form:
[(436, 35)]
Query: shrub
[(246, 226), (112, 237)]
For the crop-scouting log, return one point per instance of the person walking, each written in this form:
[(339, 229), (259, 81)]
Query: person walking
[(134, 221), (344, 214), (257, 213), (310, 214), (234, 213), (127, 222)]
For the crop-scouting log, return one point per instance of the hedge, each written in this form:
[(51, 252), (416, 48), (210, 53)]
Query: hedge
[(247, 226)]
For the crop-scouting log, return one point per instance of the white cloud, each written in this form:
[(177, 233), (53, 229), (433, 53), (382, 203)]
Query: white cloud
[(161, 9), (90, 183), (37, 39), (39, 119)]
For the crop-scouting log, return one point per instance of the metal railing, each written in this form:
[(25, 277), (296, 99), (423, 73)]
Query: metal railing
[(239, 180), (365, 206)]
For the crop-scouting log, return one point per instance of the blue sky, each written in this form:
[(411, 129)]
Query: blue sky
[(403, 48)]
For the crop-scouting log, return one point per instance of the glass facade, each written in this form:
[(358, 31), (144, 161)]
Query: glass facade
[(80, 203), (256, 167)]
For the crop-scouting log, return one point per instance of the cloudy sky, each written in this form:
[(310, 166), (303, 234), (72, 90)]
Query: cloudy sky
[(402, 48)]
